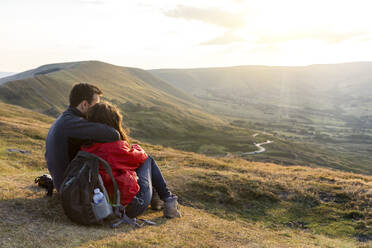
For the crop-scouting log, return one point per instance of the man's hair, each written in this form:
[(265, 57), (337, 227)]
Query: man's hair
[(81, 92)]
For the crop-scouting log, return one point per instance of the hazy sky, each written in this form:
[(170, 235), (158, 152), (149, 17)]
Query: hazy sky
[(171, 33)]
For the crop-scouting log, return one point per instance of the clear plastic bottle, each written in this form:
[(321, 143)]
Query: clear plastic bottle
[(98, 196), (101, 207)]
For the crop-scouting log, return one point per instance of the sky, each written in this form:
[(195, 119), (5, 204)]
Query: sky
[(184, 34)]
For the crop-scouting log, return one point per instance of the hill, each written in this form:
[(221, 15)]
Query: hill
[(159, 113), (48, 82), (341, 87), (226, 202), (156, 110), (5, 74)]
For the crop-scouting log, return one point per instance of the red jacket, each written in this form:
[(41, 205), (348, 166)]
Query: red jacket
[(123, 161)]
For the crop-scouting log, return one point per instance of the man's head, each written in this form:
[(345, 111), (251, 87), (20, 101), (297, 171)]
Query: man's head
[(83, 96)]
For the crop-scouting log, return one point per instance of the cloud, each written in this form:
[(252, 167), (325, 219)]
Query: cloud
[(323, 35), (227, 38), (92, 2), (365, 37), (212, 16)]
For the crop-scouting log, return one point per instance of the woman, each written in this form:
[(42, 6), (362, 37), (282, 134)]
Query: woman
[(129, 163)]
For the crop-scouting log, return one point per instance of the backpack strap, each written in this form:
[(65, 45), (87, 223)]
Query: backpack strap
[(107, 168), (119, 209)]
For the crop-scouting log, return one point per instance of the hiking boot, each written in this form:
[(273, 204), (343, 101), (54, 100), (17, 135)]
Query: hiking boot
[(171, 209), (156, 203)]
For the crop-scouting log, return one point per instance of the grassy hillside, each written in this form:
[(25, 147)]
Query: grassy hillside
[(226, 202), (157, 112), (47, 87)]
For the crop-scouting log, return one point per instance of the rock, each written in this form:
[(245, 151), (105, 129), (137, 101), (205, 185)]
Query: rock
[(297, 224), (19, 151), (363, 237)]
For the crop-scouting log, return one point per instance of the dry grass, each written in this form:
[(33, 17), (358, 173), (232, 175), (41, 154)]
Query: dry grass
[(29, 219)]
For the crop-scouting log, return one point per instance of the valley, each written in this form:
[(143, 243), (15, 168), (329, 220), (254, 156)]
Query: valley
[(322, 108)]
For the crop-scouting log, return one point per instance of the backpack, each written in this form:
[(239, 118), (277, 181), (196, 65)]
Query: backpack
[(77, 190)]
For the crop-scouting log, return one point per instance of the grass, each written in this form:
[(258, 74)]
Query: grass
[(225, 202)]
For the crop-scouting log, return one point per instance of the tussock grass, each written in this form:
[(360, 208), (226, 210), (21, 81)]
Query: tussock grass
[(29, 219)]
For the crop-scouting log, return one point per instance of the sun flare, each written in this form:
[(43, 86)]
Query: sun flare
[(178, 34)]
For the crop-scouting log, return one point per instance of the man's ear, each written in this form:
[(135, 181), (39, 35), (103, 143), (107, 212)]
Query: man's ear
[(85, 105)]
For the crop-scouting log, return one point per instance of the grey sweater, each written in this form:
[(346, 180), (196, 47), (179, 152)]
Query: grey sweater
[(65, 137)]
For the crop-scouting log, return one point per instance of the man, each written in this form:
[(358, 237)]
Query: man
[(71, 130)]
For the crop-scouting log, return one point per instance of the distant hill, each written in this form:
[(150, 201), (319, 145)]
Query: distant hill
[(40, 70), (94, 72), (342, 87), (5, 74), (46, 88)]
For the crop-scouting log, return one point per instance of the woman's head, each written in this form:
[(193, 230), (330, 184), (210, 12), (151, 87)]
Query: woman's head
[(108, 114)]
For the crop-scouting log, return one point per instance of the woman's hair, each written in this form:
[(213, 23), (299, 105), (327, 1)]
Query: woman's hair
[(106, 113)]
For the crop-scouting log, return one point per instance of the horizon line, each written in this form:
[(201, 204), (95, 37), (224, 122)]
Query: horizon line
[(188, 68)]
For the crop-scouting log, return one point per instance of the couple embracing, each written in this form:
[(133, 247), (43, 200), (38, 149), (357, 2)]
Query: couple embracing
[(96, 127)]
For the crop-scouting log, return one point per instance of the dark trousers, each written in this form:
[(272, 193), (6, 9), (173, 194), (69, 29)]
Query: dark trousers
[(149, 176)]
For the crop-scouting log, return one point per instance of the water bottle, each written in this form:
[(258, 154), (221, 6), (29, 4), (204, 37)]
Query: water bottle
[(101, 207), (98, 196)]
